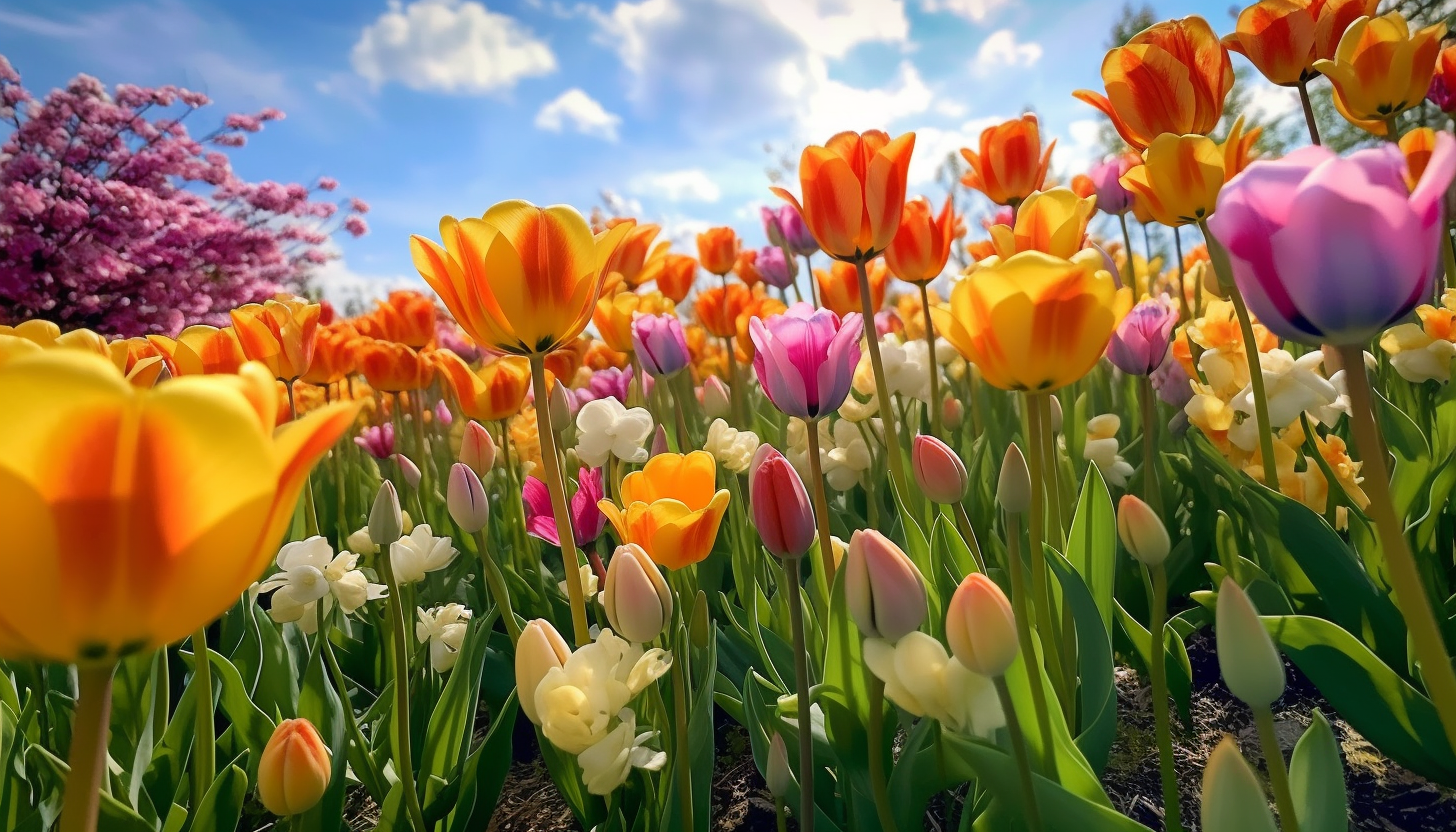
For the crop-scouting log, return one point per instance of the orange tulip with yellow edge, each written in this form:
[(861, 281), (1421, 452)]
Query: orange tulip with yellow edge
[(521, 280), (670, 508), (407, 318), (613, 315), (142, 361), (565, 362), (839, 286), (1012, 164), (336, 355), (279, 333), (1034, 322), (1381, 69), (762, 306), (853, 191), (494, 392), (1054, 222), (1278, 38), (1082, 185), (143, 513), (1169, 78), (209, 350), (674, 274), (718, 249), (1332, 18), (635, 251), (921, 247), (392, 367), (718, 308)]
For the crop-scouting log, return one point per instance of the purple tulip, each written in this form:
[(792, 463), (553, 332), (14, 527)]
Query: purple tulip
[(377, 440), (611, 382), (1140, 342), (805, 358), (775, 267), (1112, 198), (660, 344), (1171, 382), (1441, 94), (1328, 249), (587, 521), (786, 228)]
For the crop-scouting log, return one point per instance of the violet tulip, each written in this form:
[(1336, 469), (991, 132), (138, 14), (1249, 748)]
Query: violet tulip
[(1106, 177), (1140, 342), (660, 344), (587, 521), (775, 267), (377, 440), (1330, 249), (785, 227), (805, 359), (780, 504)]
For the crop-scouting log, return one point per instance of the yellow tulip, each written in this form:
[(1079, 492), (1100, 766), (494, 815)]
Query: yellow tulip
[(670, 508), (1179, 182), (202, 350), (1381, 69), (135, 516), (613, 315), (1053, 222), (280, 333)]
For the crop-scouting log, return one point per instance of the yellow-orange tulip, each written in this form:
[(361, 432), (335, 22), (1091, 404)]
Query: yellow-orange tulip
[(142, 513), (1034, 322), (1170, 78), (839, 286), (1332, 18), (1381, 69), (143, 360), (392, 367), (1082, 185), (718, 249), (407, 317), (921, 247), (674, 274), (746, 267), (279, 333), (38, 332), (295, 769), (718, 308), (1180, 181), (636, 251), (613, 315), (1417, 145), (494, 392), (854, 190), (336, 354), (1011, 164), (564, 363), (761, 306), (670, 508), (1054, 222), (521, 280), (1278, 37), (208, 350)]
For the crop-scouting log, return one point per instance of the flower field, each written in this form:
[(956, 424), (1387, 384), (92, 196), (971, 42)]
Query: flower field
[(589, 503)]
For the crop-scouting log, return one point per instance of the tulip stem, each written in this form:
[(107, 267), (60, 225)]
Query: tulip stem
[(1410, 592), (1020, 751), (781, 818), (1158, 668), (801, 687), (1182, 274), (935, 403), (683, 766), (1127, 253), (1150, 449), (964, 521), (1036, 523), (821, 507), (371, 777), (204, 763), (735, 395), (1278, 774), (496, 580), (551, 470), (1309, 120), (1028, 649), (877, 752), (882, 388), (87, 757), (403, 745), (813, 283)]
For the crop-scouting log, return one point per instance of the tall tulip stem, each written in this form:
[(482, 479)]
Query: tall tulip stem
[(1020, 752), (682, 768), (403, 744), (1036, 523), (204, 763), (1410, 592), (882, 388), (87, 757), (551, 470), (1127, 252), (1278, 774), (1309, 120), (792, 591), (1182, 276), (1149, 403), (496, 580), (1172, 817), (821, 506), (878, 786), (930, 361), (813, 284), (1023, 638)]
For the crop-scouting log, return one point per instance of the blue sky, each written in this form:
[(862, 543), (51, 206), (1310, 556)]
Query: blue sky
[(447, 106)]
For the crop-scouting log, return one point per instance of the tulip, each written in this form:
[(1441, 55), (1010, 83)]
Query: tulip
[(854, 190), (1247, 658), (295, 769), (839, 286), (718, 308), (1417, 145), (280, 333), (587, 520), (477, 449), (806, 358), (1053, 222), (385, 522), (635, 251), (659, 441), (718, 249), (1332, 19), (465, 497), (939, 471), (883, 589), (1011, 165), (1034, 322), (717, 400), (775, 267), (1278, 37), (746, 267), (921, 247), (1112, 197), (670, 508), (1233, 797), (1443, 85), (1140, 342), (335, 355), (674, 274), (494, 392), (522, 280), (377, 440), (143, 513), (660, 344), (205, 350), (540, 650), (1332, 250), (953, 413), (407, 469), (980, 626), (614, 315), (443, 629), (1180, 181), (785, 228), (1013, 484), (782, 514), (407, 318), (780, 777), (638, 602), (1169, 78), (1380, 69), (393, 368), (1141, 531)]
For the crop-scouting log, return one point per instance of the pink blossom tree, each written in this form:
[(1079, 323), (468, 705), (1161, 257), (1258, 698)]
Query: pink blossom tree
[(113, 217)]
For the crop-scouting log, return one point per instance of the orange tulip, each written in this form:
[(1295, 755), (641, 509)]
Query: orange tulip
[(613, 316), (279, 333), (392, 367), (335, 356), (746, 267), (142, 361), (839, 286), (522, 280), (1278, 37), (1170, 78), (854, 190), (921, 247), (207, 350), (1011, 164), (1417, 145), (674, 274), (718, 308), (406, 318), (1332, 18), (564, 363), (670, 508), (718, 249), (1083, 186), (1054, 222), (1381, 69), (635, 251), (494, 392), (763, 306)]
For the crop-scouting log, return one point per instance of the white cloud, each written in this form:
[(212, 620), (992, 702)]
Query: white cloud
[(352, 292), (1269, 103), (688, 185), (951, 109), (1001, 51), (975, 11), (453, 46), (934, 145), (830, 106), (1077, 155), (575, 110)]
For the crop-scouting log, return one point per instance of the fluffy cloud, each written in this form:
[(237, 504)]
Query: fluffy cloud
[(1268, 103), (975, 11), (453, 46), (935, 145), (689, 185), (575, 110), (1002, 51), (1077, 151), (829, 106)]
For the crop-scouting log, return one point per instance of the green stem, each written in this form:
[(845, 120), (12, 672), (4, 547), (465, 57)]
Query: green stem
[(1028, 649), (204, 762), (1040, 587), (1172, 817), (877, 752), (1019, 751), (1278, 774), (496, 580), (801, 688), (1182, 274), (964, 521), (1149, 404), (1448, 260), (735, 393), (821, 508), (780, 816), (87, 757), (1309, 120), (372, 779), (551, 470), (930, 360), (882, 388), (813, 283), (683, 765), (1053, 482), (403, 745), (1127, 251)]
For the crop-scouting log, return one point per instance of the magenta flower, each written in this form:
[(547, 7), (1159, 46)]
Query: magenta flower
[(1332, 250), (377, 440), (776, 268), (1140, 342), (659, 343), (805, 358), (608, 383), (785, 227), (587, 521), (1112, 198)]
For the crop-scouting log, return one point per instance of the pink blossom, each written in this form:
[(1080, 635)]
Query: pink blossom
[(355, 225), (587, 521), (805, 358), (377, 440)]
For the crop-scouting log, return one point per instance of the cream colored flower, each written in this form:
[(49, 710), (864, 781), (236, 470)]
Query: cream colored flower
[(849, 457), (606, 764), (921, 677), (418, 553), (444, 629), (606, 428), (732, 448), (1291, 387), (1101, 449), (588, 581), (311, 574), (1416, 355), (577, 701)]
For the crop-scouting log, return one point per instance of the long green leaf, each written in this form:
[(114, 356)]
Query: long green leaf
[(1092, 543), (1317, 780)]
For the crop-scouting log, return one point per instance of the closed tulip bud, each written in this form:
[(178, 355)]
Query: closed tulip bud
[(779, 776), (295, 769), (477, 449), (939, 471), (1142, 532), (716, 402), (559, 404), (1250, 664), (1056, 409), (882, 587), (385, 523), (780, 504), (659, 441), (953, 413), (466, 499), (1233, 797), (980, 626), (539, 649), (1013, 487), (638, 602), (407, 469)]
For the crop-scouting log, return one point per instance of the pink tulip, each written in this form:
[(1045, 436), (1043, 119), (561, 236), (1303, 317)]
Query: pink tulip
[(587, 521), (1106, 177), (780, 504), (775, 266), (1140, 342), (785, 227), (377, 440), (883, 588), (1328, 249), (939, 472), (805, 359)]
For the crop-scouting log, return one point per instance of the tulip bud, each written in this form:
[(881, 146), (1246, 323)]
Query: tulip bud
[(295, 769), (980, 626), (466, 499), (939, 471), (1233, 797), (559, 404), (716, 402), (385, 524), (1250, 664), (952, 413), (699, 622), (1142, 532), (1013, 487), (539, 649), (780, 504), (1056, 409), (408, 470), (659, 441), (883, 588), (779, 776), (477, 449), (443, 416), (638, 602)]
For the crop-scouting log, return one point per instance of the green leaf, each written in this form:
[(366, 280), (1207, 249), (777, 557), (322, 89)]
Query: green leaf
[(452, 723), (1175, 659), (1092, 543), (1317, 780), (319, 704), (248, 719), (761, 724), (1097, 692), (222, 806), (1412, 454), (485, 773)]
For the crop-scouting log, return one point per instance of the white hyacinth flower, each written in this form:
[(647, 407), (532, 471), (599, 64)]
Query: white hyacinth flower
[(606, 428), (732, 448)]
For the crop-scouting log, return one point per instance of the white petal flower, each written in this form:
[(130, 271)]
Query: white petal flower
[(606, 764), (1291, 386), (588, 581), (1101, 449), (444, 629), (732, 448), (361, 542), (798, 450), (311, 574), (576, 702), (849, 457), (921, 677), (419, 552), (606, 428)]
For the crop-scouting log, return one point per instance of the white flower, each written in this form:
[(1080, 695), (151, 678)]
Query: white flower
[(588, 581), (1416, 356), (606, 764), (606, 428), (444, 629), (1291, 387), (907, 367), (1101, 449), (361, 542), (732, 448), (419, 552), (309, 575), (577, 701), (798, 447), (849, 457), (921, 677)]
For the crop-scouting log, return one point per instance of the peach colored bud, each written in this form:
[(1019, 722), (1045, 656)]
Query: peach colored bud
[(980, 626), (1250, 664), (465, 497), (659, 441), (638, 602), (939, 471), (953, 413), (295, 769), (407, 469), (882, 586), (716, 402), (1142, 532), (1013, 488), (477, 449), (779, 778), (539, 649)]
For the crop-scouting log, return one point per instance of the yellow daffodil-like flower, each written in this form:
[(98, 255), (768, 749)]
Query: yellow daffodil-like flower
[(521, 280), (1381, 69), (613, 315), (1211, 414), (1034, 322), (578, 701), (138, 515), (670, 508), (1054, 222), (1423, 351), (280, 333)]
